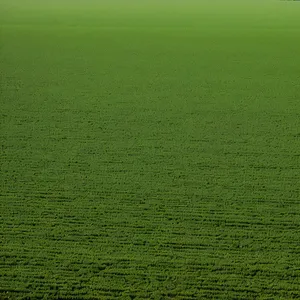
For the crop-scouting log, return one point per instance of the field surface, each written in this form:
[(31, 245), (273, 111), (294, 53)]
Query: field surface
[(150, 149)]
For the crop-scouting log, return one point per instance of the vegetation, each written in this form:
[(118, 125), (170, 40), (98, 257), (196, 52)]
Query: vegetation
[(150, 149)]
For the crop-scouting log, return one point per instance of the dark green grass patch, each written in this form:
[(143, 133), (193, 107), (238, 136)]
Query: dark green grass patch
[(149, 150)]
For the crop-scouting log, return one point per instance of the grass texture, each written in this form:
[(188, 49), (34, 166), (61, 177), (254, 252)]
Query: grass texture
[(150, 149)]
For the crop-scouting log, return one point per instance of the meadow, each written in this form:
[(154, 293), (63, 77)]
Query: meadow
[(150, 149)]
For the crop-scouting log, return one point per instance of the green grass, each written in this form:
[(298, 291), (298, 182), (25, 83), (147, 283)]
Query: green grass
[(150, 149)]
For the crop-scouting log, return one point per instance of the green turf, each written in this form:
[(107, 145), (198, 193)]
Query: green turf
[(150, 149)]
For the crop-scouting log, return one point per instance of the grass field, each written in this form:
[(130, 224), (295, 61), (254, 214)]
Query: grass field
[(150, 149)]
